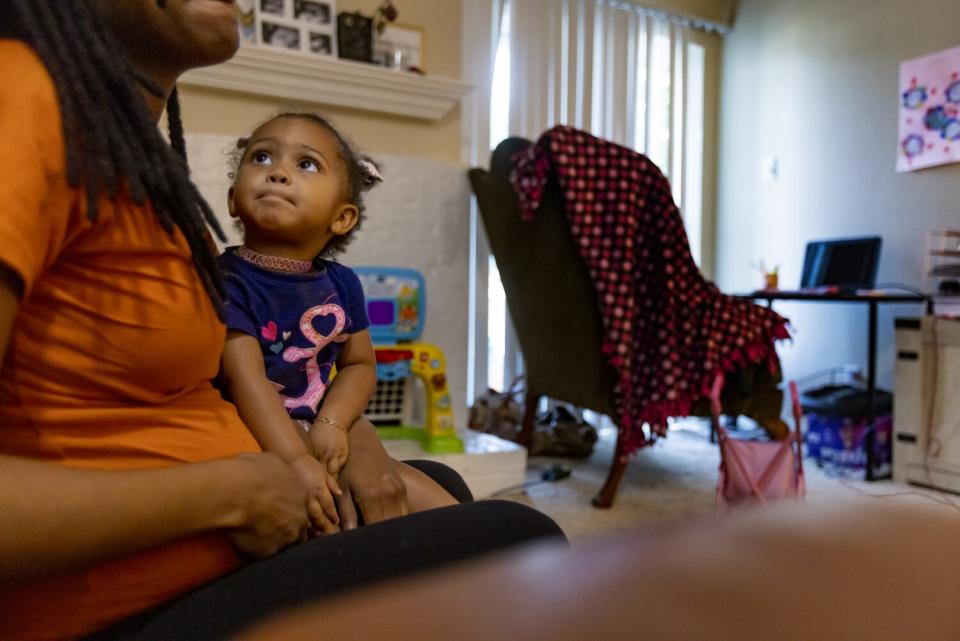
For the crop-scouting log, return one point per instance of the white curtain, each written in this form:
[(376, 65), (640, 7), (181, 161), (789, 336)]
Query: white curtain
[(595, 64), (481, 35)]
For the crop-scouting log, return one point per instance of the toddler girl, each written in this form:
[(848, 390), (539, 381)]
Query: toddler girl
[(293, 314)]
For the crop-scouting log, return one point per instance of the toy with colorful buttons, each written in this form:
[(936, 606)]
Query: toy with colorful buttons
[(396, 302)]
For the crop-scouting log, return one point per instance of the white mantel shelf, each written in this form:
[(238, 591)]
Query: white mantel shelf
[(260, 71)]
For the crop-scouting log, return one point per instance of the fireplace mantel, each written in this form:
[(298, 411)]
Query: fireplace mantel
[(260, 71)]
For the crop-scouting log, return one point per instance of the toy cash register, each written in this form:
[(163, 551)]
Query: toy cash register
[(396, 306)]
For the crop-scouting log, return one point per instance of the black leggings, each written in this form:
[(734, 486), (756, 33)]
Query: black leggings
[(333, 564)]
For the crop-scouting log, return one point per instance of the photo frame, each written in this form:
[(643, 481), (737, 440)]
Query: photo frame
[(355, 37), (321, 43), (304, 26), (315, 12), (401, 47), (283, 36), (275, 8)]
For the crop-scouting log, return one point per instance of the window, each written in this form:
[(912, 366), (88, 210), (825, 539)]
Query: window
[(496, 329), (692, 157), (497, 316), (624, 73), (500, 94)]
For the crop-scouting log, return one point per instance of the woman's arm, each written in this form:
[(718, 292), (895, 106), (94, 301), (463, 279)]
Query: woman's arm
[(56, 519), (371, 478)]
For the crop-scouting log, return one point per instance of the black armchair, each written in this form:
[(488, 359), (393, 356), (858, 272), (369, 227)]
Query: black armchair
[(551, 300)]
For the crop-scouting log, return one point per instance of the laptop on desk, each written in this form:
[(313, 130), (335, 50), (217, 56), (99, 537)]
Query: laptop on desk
[(839, 266)]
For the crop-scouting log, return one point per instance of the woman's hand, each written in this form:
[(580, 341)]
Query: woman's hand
[(370, 477), (321, 488), (272, 505)]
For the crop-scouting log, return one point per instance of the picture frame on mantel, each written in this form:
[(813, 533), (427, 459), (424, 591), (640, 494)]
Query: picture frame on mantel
[(304, 26), (247, 13), (401, 47), (355, 37)]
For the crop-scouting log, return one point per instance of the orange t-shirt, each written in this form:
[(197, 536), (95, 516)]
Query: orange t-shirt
[(109, 364)]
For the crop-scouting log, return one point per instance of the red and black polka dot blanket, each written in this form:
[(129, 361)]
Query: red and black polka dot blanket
[(667, 329)]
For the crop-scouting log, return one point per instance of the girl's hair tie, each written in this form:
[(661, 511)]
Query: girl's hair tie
[(370, 171)]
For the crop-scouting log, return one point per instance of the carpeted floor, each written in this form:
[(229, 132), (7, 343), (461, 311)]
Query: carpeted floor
[(673, 479)]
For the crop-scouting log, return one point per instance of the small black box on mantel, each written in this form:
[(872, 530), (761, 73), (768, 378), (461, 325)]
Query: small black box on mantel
[(355, 37)]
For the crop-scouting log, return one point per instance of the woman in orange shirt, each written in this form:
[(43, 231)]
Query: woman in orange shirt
[(128, 487)]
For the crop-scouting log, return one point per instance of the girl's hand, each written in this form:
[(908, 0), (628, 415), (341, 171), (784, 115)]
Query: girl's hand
[(321, 488), (330, 446)]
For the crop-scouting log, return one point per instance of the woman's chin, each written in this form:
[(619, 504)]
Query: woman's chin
[(218, 47), (216, 30)]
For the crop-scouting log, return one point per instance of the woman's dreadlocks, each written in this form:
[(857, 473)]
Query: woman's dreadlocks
[(111, 141)]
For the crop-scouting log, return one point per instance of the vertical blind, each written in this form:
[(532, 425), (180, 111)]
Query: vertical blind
[(611, 68)]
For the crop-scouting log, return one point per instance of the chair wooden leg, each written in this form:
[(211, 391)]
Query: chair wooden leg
[(604, 498), (529, 414)]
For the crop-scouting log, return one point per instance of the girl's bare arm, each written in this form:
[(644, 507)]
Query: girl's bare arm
[(262, 410), (258, 402), (356, 378)]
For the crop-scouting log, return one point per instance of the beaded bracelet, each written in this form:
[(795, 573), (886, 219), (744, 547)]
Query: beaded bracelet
[(331, 421)]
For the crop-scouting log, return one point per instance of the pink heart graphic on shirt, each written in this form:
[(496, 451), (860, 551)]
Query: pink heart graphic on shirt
[(270, 331)]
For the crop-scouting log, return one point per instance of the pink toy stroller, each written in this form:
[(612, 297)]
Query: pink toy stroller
[(758, 470)]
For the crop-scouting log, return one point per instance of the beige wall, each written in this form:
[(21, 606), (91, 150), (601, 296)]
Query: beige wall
[(717, 11), (215, 112), (814, 84)]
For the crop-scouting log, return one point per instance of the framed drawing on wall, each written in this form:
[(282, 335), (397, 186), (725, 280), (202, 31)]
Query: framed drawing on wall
[(401, 47), (929, 120), (307, 26)]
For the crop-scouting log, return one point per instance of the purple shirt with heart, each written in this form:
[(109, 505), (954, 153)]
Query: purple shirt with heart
[(300, 320)]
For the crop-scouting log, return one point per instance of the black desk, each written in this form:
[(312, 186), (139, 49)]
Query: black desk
[(872, 301)]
